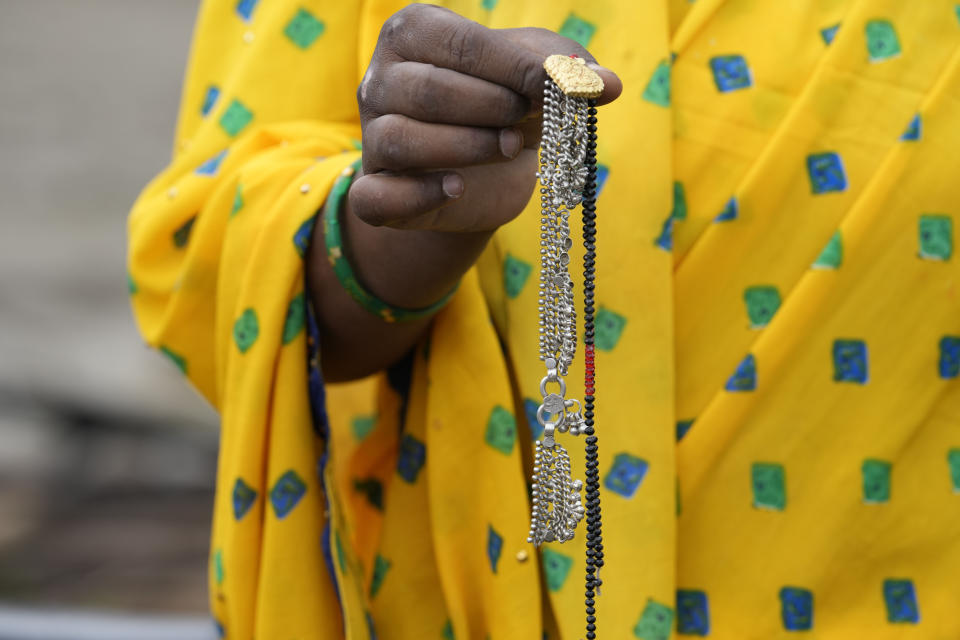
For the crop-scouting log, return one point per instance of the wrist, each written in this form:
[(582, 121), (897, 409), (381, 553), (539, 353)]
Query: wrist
[(409, 269), (396, 275)]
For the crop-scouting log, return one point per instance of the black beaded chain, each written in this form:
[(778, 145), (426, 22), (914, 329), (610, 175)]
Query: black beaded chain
[(594, 535)]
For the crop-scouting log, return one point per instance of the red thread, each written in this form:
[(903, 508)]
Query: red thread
[(589, 368)]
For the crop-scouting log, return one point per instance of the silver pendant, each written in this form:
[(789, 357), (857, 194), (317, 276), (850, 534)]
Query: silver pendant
[(557, 507)]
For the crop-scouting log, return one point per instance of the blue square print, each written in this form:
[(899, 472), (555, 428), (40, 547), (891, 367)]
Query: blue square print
[(603, 172), (301, 239), (730, 73), (850, 361), (796, 608), (494, 547), (914, 130), (745, 377), (665, 239), (901, 599), (826, 172), (829, 33), (245, 9), (211, 166), (530, 407), (626, 474), (413, 454), (949, 356), (286, 493), (730, 211), (209, 99), (243, 498), (693, 614)]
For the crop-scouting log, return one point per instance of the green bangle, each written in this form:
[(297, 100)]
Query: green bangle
[(341, 266)]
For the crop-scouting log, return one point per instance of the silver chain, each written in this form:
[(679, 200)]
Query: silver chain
[(562, 175), (557, 508)]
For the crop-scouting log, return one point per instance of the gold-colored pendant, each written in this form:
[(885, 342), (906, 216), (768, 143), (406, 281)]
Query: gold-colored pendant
[(573, 76)]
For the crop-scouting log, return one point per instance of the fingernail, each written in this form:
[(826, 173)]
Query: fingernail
[(596, 67), (453, 185), (510, 142)]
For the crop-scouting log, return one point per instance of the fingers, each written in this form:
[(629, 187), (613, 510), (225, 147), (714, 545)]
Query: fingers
[(457, 201), (440, 37), (546, 43), (431, 94), (451, 122), (383, 199), (398, 143)]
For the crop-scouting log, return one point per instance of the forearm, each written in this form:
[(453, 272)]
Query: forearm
[(409, 269)]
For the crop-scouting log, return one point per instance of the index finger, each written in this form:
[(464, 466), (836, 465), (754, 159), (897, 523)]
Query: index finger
[(438, 36)]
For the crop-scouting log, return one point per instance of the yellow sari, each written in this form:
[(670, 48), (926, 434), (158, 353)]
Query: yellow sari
[(778, 336)]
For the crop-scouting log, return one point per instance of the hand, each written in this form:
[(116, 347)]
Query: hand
[(450, 112)]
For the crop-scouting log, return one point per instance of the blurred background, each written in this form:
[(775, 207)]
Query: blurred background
[(107, 458)]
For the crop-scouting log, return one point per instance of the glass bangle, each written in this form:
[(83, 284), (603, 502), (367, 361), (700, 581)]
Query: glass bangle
[(333, 237)]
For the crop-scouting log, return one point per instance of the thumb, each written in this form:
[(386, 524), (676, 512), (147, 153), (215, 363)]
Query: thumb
[(544, 43)]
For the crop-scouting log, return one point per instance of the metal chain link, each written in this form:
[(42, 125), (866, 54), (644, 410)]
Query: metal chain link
[(557, 506)]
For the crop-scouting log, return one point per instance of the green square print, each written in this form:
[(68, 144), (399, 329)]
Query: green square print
[(658, 88), (655, 622), (762, 302), (832, 255), (936, 237), (175, 358), (501, 430), (515, 274), (577, 29), (362, 425), (246, 330), (679, 211), (953, 459), (608, 327), (882, 41), (182, 235), (304, 29), (235, 118), (237, 201), (876, 481), (556, 567), (380, 567), (218, 572), (296, 318), (341, 554), (769, 486)]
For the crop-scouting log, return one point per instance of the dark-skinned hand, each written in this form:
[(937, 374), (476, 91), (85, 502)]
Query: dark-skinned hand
[(450, 112), (451, 122)]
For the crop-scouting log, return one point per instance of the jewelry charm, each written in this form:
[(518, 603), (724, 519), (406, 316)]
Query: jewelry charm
[(567, 175)]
